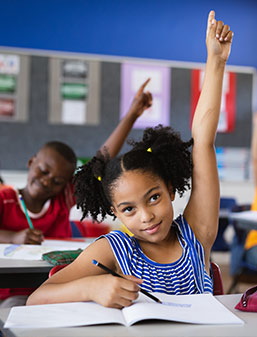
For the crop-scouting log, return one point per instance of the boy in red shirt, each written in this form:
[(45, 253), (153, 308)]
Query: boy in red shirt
[(48, 194)]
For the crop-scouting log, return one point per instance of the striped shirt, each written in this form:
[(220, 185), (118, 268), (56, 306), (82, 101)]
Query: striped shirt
[(187, 275)]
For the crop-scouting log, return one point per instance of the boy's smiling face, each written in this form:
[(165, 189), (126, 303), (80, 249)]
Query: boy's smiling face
[(142, 202), (49, 172)]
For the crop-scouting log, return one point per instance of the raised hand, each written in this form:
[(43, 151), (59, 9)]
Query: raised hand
[(218, 38), (142, 100)]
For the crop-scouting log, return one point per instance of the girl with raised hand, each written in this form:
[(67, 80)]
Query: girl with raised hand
[(163, 255)]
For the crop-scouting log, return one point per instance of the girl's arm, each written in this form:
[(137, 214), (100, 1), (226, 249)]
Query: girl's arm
[(141, 102), (202, 211), (83, 281)]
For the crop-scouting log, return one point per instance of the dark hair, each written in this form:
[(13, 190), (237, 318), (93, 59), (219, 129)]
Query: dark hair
[(161, 152), (63, 149)]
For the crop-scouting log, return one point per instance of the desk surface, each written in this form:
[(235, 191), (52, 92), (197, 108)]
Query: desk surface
[(245, 220), (22, 273), (151, 329), (15, 273)]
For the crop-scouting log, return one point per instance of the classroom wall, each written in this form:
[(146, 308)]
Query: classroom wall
[(21, 139), (158, 29), (154, 29)]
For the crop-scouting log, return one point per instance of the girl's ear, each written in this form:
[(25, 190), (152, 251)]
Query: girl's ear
[(113, 211), (172, 194)]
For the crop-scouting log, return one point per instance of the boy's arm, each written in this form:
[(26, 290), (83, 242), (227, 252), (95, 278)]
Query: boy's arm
[(202, 210), (141, 102)]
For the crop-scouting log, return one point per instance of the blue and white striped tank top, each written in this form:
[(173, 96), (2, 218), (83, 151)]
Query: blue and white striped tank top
[(184, 276)]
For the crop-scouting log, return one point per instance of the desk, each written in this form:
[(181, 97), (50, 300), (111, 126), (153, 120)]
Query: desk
[(149, 329), (245, 220), (22, 273), (16, 273)]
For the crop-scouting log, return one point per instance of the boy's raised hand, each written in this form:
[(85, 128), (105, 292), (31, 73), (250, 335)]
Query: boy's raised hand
[(142, 101), (218, 38)]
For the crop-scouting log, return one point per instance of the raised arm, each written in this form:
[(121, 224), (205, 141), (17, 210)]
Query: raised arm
[(202, 210), (141, 102)]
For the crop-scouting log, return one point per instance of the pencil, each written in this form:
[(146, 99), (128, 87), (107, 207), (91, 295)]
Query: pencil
[(26, 212), (100, 265)]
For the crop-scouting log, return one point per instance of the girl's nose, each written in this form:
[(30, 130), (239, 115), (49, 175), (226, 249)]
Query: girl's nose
[(146, 215)]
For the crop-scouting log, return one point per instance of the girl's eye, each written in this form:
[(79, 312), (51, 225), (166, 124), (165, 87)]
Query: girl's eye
[(154, 197), (127, 209)]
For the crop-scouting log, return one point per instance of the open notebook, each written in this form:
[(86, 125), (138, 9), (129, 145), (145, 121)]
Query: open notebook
[(198, 309)]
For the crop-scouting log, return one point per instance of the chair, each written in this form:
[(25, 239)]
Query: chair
[(87, 228), (240, 270), (215, 269), (217, 279), (226, 204), (55, 269)]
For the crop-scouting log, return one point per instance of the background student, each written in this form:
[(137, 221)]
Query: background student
[(48, 194), (251, 239), (139, 187)]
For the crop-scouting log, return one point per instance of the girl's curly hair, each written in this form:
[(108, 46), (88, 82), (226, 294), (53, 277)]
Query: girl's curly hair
[(161, 152)]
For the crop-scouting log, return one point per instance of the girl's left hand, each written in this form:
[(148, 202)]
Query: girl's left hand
[(141, 102), (218, 38)]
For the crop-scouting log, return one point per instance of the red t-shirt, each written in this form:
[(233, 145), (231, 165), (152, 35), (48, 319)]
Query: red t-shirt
[(53, 220)]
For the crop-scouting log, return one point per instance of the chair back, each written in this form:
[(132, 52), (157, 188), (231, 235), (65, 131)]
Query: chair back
[(217, 279), (216, 274), (55, 269)]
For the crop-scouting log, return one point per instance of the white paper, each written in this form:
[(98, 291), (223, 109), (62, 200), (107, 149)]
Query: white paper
[(246, 216), (74, 112), (35, 252), (198, 309), (139, 76)]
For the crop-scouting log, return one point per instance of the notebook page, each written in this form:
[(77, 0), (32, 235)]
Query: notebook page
[(62, 315), (197, 309)]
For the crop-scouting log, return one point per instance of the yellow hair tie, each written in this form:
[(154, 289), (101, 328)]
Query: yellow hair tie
[(99, 178), (149, 150)]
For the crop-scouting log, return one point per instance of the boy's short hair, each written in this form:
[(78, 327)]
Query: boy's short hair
[(63, 149)]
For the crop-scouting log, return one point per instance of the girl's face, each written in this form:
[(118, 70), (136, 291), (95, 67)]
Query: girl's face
[(142, 202)]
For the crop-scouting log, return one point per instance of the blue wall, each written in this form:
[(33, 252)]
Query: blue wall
[(159, 29)]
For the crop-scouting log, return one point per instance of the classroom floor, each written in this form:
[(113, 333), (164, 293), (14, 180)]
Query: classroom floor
[(222, 259)]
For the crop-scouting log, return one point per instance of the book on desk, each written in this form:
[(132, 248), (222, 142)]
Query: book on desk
[(195, 309)]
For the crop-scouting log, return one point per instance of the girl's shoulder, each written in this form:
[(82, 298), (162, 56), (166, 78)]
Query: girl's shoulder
[(183, 227), (118, 237)]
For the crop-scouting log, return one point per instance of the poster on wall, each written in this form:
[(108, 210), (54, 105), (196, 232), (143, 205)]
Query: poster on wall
[(9, 71), (132, 77), (74, 91), (228, 100), (233, 163), (9, 64)]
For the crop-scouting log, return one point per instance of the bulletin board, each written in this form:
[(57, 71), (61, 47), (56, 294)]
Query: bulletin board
[(19, 140)]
